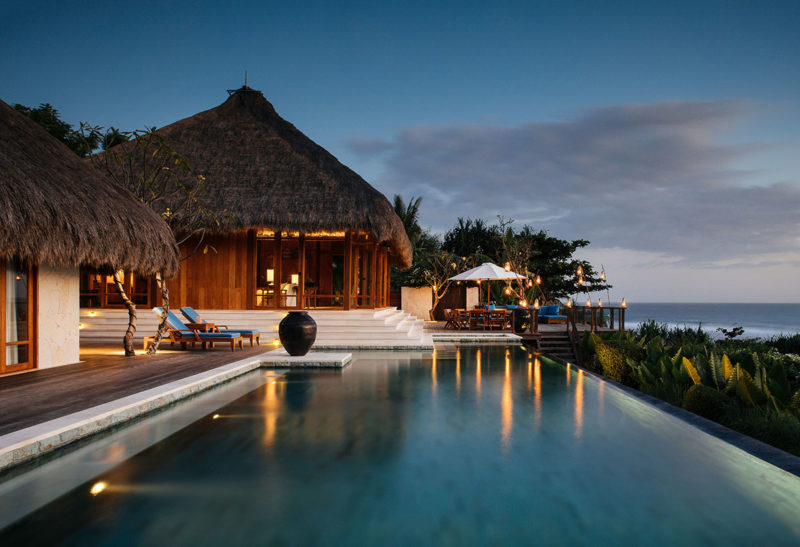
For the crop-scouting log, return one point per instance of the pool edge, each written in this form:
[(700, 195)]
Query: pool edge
[(772, 455)]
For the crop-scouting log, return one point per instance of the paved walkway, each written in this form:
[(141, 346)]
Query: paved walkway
[(104, 375)]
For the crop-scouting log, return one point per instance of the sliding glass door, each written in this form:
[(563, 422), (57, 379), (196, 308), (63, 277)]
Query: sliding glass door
[(17, 351)]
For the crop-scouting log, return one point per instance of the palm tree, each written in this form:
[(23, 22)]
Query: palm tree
[(409, 215)]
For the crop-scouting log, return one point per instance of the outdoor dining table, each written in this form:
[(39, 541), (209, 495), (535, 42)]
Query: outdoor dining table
[(486, 319)]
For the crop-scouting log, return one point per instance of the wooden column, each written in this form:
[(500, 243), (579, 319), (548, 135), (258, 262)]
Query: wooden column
[(372, 274), (301, 259), (250, 290), (277, 258), (348, 268)]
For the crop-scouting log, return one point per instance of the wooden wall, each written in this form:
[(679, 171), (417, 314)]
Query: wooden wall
[(216, 279)]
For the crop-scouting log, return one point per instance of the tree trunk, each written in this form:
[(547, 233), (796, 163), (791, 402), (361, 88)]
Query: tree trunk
[(127, 341), (152, 347)]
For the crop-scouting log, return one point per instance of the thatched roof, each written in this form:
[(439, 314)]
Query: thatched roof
[(264, 173), (57, 209)]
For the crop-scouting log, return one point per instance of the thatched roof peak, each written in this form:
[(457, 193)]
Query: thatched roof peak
[(57, 209), (262, 172)]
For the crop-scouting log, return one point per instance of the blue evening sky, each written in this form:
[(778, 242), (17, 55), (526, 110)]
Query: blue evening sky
[(664, 132)]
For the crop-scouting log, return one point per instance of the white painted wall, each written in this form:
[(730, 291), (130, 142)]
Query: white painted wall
[(416, 301), (59, 315)]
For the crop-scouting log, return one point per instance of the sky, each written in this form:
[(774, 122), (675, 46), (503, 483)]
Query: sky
[(666, 133)]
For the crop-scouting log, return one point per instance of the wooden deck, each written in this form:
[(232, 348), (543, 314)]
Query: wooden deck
[(105, 374)]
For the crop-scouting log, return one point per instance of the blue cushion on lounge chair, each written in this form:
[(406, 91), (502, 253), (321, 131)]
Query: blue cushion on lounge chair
[(218, 335), (191, 315), (172, 320), (242, 331)]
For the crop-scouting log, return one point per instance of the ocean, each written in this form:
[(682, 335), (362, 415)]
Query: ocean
[(758, 320)]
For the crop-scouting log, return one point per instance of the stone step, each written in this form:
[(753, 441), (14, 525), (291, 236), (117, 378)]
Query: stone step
[(382, 327)]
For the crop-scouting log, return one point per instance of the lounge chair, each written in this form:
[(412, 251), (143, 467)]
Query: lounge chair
[(195, 319), (178, 332)]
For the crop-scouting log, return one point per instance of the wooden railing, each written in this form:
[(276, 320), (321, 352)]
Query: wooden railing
[(598, 317)]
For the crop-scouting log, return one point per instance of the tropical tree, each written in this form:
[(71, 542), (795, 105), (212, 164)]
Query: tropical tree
[(409, 215), (163, 180), (50, 119)]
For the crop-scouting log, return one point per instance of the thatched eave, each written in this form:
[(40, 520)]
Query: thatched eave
[(262, 172), (57, 209)]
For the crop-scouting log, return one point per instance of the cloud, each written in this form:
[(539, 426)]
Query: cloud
[(647, 177)]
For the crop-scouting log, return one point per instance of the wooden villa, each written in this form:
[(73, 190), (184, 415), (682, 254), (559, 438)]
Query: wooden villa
[(57, 213), (295, 229)]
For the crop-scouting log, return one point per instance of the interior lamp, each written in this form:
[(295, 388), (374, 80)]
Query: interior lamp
[(295, 279), (270, 275)]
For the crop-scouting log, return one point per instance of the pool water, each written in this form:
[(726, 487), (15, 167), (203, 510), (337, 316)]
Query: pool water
[(470, 445)]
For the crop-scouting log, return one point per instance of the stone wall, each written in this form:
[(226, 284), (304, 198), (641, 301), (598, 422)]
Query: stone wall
[(58, 316), (417, 301)]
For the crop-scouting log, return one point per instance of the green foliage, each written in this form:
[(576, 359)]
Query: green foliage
[(612, 363), (707, 402), (755, 392), (547, 256), (50, 119)]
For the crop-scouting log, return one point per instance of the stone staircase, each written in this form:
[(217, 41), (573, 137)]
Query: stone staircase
[(381, 328), (557, 344)]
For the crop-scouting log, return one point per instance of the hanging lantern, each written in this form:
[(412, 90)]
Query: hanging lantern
[(529, 283), (589, 302), (569, 302), (508, 290), (599, 302), (580, 281), (507, 267), (478, 282), (523, 303), (579, 272), (624, 304), (536, 304), (538, 280), (602, 276)]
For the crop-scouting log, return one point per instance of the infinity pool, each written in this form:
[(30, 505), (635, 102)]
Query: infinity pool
[(465, 446)]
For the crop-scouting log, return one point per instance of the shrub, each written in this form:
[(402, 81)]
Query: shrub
[(613, 364), (707, 402)]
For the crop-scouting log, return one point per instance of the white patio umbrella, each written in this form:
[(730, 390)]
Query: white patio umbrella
[(486, 272)]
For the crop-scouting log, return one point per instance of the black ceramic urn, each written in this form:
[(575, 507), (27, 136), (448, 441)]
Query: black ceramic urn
[(297, 332), (520, 320)]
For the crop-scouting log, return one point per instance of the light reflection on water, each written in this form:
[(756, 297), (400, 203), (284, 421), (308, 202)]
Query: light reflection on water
[(409, 449)]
